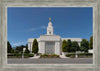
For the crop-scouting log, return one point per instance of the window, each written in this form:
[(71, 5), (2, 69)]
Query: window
[(49, 32)]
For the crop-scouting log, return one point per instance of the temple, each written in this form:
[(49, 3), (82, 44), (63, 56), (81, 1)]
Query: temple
[(50, 43)]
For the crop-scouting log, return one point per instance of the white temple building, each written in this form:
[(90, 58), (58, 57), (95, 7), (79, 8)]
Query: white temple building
[(50, 43)]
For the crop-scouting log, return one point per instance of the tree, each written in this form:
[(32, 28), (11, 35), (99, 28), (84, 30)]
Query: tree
[(20, 48), (84, 45), (74, 46), (91, 43), (64, 46), (26, 50), (12, 51), (35, 46), (16, 51), (9, 48), (69, 45)]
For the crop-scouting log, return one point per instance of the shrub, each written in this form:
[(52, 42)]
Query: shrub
[(45, 55), (79, 55), (39, 53), (55, 55), (30, 55), (16, 51), (70, 55), (49, 56), (86, 54)]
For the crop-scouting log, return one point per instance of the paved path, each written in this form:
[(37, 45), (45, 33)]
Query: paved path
[(51, 61), (61, 56)]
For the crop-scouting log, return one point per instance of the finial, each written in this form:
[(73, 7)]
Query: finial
[(49, 19)]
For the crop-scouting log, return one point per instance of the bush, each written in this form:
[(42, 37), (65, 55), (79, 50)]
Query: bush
[(45, 55), (79, 55), (68, 55), (86, 54), (16, 51), (30, 55), (39, 53), (49, 56), (55, 55), (20, 55)]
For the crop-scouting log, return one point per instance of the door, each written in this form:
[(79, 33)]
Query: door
[(49, 47)]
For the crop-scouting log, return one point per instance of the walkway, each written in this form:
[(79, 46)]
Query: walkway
[(51, 61)]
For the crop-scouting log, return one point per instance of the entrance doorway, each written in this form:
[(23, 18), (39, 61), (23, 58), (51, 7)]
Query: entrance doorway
[(49, 47)]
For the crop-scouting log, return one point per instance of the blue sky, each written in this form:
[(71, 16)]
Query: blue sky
[(31, 22)]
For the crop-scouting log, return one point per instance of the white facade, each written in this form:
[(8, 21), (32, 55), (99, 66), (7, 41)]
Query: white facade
[(90, 50), (50, 28), (50, 43)]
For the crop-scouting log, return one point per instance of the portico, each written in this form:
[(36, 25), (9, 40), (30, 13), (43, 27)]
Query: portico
[(50, 44)]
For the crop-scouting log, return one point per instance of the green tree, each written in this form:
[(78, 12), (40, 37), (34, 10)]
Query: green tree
[(9, 48), (16, 51), (84, 45), (35, 46), (64, 46), (69, 43), (26, 50), (91, 43), (20, 48), (12, 51), (74, 46)]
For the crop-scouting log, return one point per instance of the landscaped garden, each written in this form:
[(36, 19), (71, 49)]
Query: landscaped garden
[(71, 47), (49, 56)]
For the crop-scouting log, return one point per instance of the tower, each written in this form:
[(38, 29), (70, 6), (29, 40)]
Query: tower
[(50, 28)]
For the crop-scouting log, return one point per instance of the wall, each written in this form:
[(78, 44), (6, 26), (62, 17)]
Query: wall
[(57, 48), (41, 47)]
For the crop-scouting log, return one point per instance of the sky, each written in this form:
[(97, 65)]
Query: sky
[(31, 22)]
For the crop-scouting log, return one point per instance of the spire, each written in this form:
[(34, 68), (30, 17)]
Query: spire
[(50, 28), (50, 23), (49, 19)]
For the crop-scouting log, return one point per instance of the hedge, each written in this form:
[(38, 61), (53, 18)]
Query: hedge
[(79, 55), (20, 55)]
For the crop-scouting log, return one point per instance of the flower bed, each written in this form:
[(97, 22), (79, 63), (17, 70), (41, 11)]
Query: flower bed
[(49, 56)]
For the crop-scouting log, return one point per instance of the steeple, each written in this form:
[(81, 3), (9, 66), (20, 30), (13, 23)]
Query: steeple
[(50, 28), (49, 19)]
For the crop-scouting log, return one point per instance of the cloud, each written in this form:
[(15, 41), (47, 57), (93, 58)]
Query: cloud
[(19, 43), (38, 28), (33, 29), (43, 27)]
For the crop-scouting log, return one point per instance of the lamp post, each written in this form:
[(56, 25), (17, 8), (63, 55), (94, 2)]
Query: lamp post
[(76, 55), (23, 53)]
